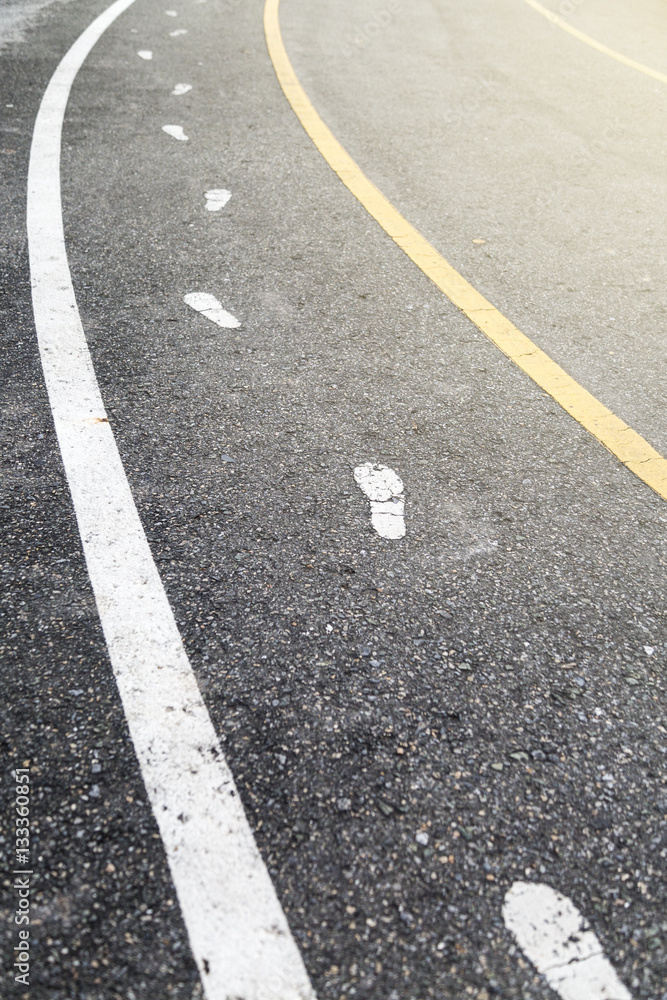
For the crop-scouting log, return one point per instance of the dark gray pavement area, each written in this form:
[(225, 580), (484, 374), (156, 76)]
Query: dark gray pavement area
[(486, 679)]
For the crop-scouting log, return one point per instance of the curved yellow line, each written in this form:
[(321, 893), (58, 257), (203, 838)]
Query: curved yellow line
[(628, 446), (618, 56)]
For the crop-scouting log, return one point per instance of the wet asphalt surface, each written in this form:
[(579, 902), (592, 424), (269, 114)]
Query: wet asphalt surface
[(484, 681)]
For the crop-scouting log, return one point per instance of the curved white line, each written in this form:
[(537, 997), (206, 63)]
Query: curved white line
[(237, 929)]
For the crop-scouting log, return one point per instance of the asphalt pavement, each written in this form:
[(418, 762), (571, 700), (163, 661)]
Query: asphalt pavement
[(414, 724)]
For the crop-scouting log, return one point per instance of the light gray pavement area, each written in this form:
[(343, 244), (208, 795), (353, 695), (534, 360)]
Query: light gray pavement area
[(16, 17), (493, 682)]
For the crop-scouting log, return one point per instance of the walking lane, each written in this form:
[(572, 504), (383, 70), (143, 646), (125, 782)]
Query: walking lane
[(103, 911), (339, 772), (237, 930)]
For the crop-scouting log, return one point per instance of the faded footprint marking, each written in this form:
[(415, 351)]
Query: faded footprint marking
[(216, 199), (384, 489), (558, 940), (176, 132), (209, 306)]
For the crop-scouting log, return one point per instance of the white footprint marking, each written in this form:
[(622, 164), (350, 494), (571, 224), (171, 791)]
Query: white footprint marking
[(384, 489), (180, 89), (177, 32), (216, 199), (557, 939), (209, 306), (176, 132), (145, 54)]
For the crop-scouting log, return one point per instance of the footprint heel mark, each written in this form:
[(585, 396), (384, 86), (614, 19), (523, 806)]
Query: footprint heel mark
[(384, 489), (176, 132), (216, 199)]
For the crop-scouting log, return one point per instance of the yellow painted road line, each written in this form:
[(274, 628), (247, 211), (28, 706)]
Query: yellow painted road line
[(628, 446), (618, 56)]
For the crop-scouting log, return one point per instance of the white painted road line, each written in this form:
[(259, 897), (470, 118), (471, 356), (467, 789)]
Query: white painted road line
[(180, 89), (176, 132), (145, 54), (556, 938), (209, 306), (238, 932), (216, 199), (384, 489), (177, 32)]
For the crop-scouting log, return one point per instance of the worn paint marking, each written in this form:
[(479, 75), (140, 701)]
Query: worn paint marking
[(217, 198), (176, 132), (180, 89), (557, 939), (209, 306), (384, 489)]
